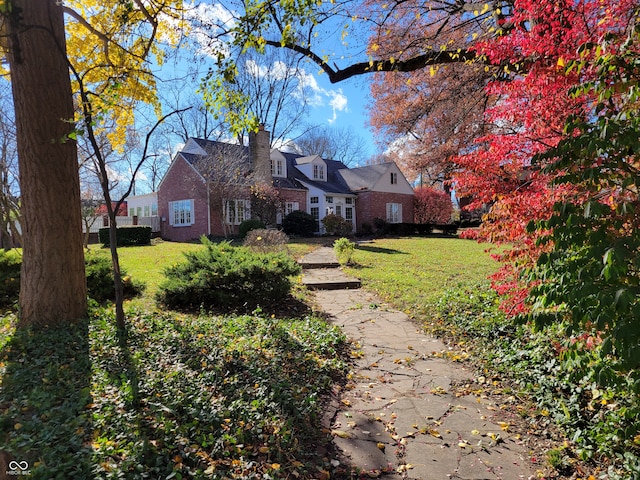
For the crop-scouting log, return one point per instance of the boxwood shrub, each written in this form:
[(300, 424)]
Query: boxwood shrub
[(10, 263), (299, 223), (99, 271), (127, 236), (248, 225), (223, 277)]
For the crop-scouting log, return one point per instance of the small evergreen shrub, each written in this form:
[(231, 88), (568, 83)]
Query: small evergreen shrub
[(99, 271), (10, 263), (127, 236), (222, 277), (299, 223), (248, 225), (381, 225), (344, 250), (366, 229), (263, 240), (336, 225)]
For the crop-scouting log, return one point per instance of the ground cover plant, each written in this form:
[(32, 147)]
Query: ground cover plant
[(596, 409), (183, 397)]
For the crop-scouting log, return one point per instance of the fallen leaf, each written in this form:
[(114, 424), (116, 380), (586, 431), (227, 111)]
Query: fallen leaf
[(381, 446), (340, 433)]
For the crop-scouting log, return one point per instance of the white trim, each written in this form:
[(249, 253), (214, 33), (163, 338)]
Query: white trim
[(394, 212), (183, 211)]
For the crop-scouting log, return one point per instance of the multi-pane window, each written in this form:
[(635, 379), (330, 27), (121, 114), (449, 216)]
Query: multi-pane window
[(329, 199), (339, 210), (154, 209), (314, 199), (348, 214), (315, 213), (236, 211), (394, 178), (277, 167), (394, 212), (146, 210), (181, 213), (318, 172), (348, 201), (290, 207)]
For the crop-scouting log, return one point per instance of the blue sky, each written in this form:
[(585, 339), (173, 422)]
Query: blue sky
[(342, 105)]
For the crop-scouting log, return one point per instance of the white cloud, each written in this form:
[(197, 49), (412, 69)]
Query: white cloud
[(206, 22), (321, 97), (338, 103)]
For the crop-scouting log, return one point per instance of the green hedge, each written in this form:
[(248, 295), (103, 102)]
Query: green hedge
[(127, 235), (222, 277)]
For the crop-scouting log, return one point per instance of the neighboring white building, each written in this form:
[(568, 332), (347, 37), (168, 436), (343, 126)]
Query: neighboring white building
[(143, 205)]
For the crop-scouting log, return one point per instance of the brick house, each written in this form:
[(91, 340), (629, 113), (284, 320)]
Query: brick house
[(307, 183)]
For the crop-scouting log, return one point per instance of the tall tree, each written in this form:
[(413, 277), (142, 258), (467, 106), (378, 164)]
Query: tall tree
[(266, 89), (9, 189), (332, 143), (53, 285)]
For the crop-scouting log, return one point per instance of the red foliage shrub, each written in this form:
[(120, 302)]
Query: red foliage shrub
[(432, 206)]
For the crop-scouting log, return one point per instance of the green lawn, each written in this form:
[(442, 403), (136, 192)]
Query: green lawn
[(147, 263), (411, 273)]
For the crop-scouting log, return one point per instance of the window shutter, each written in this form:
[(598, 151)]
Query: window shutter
[(171, 214), (192, 212), (247, 210), (389, 213), (399, 219)]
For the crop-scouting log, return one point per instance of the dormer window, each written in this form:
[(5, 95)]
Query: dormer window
[(277, 167), (318, 172)]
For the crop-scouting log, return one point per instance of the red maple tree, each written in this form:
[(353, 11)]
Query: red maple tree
[(528, 103)]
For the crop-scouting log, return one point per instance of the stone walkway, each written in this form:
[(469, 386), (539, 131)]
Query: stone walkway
[(399, 416)]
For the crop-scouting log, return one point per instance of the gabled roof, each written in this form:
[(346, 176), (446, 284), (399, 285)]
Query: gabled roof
[(364, 178), (214, 148), (334, 182), (340, 179)]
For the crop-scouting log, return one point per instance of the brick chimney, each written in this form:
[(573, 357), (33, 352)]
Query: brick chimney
[(260, 153)]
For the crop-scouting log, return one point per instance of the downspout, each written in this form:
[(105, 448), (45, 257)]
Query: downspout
[(208, 210)]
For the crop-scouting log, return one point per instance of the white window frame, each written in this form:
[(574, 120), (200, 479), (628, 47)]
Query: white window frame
[(314, 200), (315, 213), (318, 172), (290, 207), (394, 212), (236, 210), (277, 167), (181, 213), (348, 214)]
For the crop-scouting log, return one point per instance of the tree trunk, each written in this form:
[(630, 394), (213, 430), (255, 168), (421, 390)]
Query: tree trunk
[(53, 283)]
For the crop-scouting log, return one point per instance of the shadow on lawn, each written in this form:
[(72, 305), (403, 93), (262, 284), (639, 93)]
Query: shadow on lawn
[(45, 427), (389, 251)]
